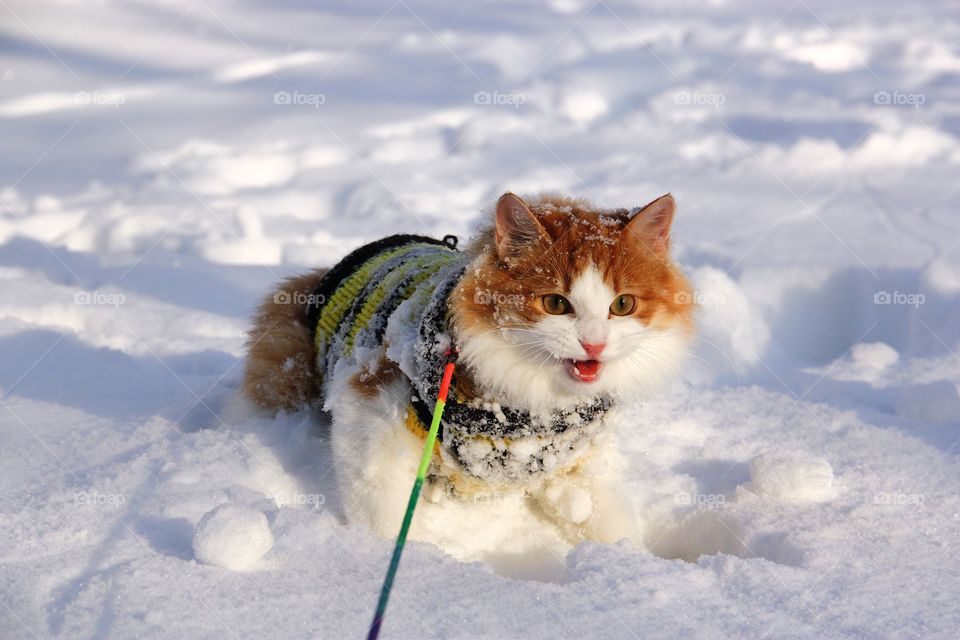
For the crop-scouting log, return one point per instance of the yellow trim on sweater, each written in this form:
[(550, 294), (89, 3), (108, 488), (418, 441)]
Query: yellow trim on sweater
[(336, 307), (429, 266)]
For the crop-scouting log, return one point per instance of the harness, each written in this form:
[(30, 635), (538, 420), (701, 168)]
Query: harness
[(413, 277)]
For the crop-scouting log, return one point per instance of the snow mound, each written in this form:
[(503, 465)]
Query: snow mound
[(874, 355), (232, 537), (869, 362), (792, 479), (732, 334)]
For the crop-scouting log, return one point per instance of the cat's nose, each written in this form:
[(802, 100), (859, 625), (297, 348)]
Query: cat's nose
[(593, 350)]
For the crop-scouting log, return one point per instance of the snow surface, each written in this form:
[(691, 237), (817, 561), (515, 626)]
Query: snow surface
[(164, 163)]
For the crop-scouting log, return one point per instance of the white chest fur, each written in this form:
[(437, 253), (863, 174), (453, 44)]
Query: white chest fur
[(376, 456)]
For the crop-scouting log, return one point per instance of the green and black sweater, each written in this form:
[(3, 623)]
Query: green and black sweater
[(411, 277), (353, 302)]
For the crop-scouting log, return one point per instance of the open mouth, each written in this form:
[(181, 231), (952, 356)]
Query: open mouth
[(583, 370)]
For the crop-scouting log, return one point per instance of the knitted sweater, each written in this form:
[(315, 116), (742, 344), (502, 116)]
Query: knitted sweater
[(404, 282), (353, 302)]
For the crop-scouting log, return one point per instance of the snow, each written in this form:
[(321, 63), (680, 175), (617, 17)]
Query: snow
[(232, 537), (932, 402), (791, 479), (166, 162)]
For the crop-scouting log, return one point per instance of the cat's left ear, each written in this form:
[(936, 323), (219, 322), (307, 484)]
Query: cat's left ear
[(651, 225)]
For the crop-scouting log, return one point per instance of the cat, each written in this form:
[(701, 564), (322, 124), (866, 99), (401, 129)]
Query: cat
[(558, 313)]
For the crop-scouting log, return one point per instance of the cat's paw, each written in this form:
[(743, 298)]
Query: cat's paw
[(570, 503), (613, 518), (588, 511)]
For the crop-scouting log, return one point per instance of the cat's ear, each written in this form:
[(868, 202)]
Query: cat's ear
[(516, 225), (651, 225)]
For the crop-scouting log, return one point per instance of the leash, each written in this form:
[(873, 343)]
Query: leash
[(449, 363)]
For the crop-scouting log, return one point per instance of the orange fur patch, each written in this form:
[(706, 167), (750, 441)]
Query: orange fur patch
[(368, 384), (578, 235), (281, 370)]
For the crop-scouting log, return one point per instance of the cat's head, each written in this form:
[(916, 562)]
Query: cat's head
[(564, 302)]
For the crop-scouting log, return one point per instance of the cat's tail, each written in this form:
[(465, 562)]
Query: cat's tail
[(281, 357)]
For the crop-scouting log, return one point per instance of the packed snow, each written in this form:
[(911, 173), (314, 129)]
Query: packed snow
[(790, 479), (166, 162), (233, 537)]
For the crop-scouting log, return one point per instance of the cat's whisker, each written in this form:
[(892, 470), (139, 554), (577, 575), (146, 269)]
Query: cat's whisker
[(667, 371), (642, 364), (546, 359), (517, 345), (691, 354), (646, 356), (500, 328), (659, 333), (665, 374)]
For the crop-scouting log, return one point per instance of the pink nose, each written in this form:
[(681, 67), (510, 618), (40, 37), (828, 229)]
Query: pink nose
[(593, 350)]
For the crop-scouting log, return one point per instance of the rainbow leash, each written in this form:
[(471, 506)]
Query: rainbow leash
[(414, 496)]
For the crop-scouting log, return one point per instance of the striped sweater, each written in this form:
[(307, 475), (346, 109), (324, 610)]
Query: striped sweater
[(398, 288), (353, 302)]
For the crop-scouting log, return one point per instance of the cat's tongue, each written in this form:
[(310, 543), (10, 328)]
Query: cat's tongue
[(584, 370)]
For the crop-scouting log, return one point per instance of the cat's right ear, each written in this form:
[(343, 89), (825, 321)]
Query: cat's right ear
[(516, 225), (650, 226)]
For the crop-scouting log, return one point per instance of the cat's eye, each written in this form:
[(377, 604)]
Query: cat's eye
[(623, 305), (555, 304)]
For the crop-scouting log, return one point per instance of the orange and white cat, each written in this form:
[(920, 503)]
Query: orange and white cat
[(560, 313)]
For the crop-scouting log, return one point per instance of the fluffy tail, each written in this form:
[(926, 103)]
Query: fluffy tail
[(281, 360)]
